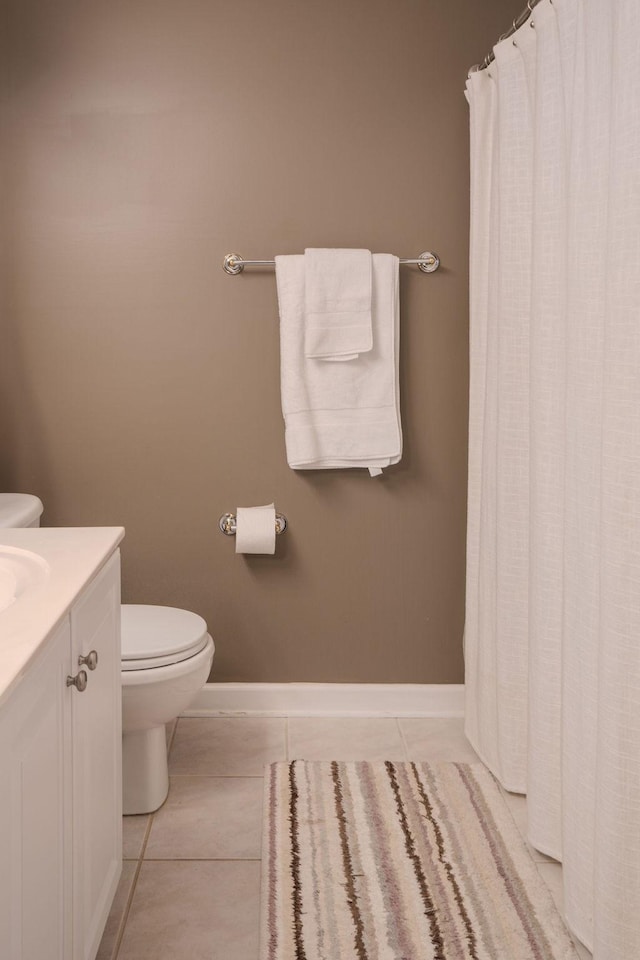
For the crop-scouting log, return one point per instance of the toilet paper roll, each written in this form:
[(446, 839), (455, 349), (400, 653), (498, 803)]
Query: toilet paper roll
[(256, 529)]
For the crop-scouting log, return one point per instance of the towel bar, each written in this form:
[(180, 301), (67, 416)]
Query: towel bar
[(233, 263), (227, 524)]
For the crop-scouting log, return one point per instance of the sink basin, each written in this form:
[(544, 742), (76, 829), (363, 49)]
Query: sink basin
[(20, 571)]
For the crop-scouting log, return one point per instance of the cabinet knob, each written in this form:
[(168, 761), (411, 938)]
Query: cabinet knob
[(91, 660), (79, 681)]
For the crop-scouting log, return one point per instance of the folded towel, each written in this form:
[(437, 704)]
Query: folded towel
[(337, 303), (340, 414)]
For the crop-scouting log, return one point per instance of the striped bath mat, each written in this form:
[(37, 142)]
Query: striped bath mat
[(399, 861)]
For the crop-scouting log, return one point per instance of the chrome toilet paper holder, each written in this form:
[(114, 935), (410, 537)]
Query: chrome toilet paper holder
[(227, 524)]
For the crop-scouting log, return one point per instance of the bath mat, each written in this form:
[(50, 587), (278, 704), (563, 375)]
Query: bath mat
[(399, 861)]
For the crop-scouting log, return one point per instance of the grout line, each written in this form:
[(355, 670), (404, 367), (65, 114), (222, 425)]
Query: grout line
[(407, 755), (125, 913), (173, 736), (145, 839)]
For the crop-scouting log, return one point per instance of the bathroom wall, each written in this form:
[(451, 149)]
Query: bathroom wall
[(139, 384)]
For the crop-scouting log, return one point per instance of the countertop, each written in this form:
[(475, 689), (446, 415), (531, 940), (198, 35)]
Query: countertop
[(74, 555)]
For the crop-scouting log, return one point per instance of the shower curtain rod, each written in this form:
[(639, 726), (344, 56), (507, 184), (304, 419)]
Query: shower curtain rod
[(517, 23)]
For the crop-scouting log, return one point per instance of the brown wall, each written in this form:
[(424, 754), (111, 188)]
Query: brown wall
[(140, 384)]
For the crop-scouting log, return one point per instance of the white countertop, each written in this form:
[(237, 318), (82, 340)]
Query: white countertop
[(74, 555)]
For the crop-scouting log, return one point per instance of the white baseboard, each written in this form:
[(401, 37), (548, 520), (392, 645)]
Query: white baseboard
[(328, 700)]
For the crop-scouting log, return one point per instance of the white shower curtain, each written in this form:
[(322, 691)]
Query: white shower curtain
[(552, 637)]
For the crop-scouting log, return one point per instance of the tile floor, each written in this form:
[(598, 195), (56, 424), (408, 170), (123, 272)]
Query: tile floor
[(190, 887)]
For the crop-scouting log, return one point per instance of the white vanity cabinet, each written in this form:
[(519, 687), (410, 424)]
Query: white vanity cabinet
[(35, 810), (60, 783), (96, 724)]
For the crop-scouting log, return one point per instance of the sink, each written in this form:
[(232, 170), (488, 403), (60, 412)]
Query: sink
[(20, 571)]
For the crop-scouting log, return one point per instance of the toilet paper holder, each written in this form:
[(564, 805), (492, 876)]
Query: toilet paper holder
[(227, 524)]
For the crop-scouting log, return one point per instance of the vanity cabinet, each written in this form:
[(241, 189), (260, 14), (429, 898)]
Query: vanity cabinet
[(35, 810), (96, 723), (60, 784)]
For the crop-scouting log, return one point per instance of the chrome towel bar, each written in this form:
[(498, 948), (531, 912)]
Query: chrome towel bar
[(233, 263)]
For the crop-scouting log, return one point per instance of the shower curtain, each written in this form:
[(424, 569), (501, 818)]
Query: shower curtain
[(552, 636)]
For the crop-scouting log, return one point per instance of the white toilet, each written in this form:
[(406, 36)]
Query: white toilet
[(166, 658), (20, 510)]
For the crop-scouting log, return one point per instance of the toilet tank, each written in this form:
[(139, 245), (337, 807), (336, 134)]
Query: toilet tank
[(20, 510)]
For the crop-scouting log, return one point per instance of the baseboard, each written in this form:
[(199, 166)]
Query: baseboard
[(328, 700)]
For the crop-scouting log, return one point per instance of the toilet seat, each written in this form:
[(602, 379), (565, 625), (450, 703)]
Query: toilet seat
[(155, 636)]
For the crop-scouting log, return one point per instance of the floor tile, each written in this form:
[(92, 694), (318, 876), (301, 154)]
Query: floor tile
[(208, 818), (227, 746), (437, 739), (133, 833), (189, 910), (198, 891), (109, 942), (346, 738)]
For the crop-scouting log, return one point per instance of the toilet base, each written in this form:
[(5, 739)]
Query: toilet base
[(145, 774)]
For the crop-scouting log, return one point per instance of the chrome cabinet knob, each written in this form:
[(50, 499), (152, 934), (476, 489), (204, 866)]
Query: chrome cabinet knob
[(91, 660), (79, 681)]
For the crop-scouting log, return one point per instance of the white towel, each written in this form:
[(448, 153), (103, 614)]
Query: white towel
[(337, 303), (340, 414)]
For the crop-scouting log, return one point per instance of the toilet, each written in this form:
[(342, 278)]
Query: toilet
[(20, 510), (166, 658)]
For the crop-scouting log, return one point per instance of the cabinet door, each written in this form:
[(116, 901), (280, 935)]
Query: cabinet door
[(35, 808), (97, 759)]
